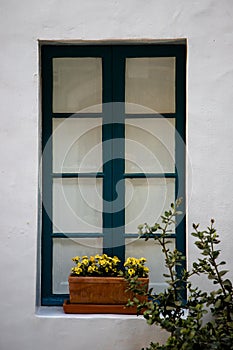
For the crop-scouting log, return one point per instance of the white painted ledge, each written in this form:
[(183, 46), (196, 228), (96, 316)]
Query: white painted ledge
[(57, 312)]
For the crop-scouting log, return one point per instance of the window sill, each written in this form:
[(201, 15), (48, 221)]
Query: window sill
[(57, 312)]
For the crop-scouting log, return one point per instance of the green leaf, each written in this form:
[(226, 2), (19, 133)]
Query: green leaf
[(178, 303), (228, 298), (195, 226), (223, 272), (194, 234), (200, 245), (218, 303), (216, 254), (155, 227), (227, 284), (140, 227), (211, 276)]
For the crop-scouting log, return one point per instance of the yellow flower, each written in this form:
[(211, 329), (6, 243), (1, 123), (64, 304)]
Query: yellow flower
[(85, 261), (76, 258), (92, 259), (142, 260), (77, 270), (131, 272), (90, 269), (115, 260)]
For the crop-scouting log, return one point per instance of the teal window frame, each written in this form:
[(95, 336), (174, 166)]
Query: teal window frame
[(113, 68)]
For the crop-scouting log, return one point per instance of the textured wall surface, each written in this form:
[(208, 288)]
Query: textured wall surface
[(208, 27)]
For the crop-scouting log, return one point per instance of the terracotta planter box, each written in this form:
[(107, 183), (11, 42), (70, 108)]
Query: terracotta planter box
[(101, 290), (99, 309)]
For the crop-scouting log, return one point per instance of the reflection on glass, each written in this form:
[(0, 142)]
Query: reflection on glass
[(77, 205), (77, 84), (155, 259), (150, 145), (150, 85), (64, 249), (147, 199), (77, 145)]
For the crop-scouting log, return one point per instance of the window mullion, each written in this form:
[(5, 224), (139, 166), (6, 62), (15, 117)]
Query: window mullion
[(118, 69), (107, 153)]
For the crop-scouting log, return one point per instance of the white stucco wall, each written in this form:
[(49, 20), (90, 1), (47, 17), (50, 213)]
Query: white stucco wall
[(208, 26)]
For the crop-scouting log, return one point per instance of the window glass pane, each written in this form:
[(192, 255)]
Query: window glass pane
[(146, 200), (150, 85), (77, 84), (77, 145), (77, 205), (64, 249), (155, 259), (150, 145)]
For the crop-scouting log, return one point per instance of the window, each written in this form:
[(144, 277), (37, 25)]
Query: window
[(113, 140)]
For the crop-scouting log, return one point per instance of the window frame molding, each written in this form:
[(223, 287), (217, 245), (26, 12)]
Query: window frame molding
[(116, 93)]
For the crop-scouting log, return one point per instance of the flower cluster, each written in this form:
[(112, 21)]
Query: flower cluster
[(104, 265), (135, 267), (98, 265)]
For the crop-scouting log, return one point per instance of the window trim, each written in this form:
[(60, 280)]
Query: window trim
[(111, 93)]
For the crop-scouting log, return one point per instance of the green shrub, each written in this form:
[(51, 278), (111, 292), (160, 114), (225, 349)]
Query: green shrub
[(184, 320)]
